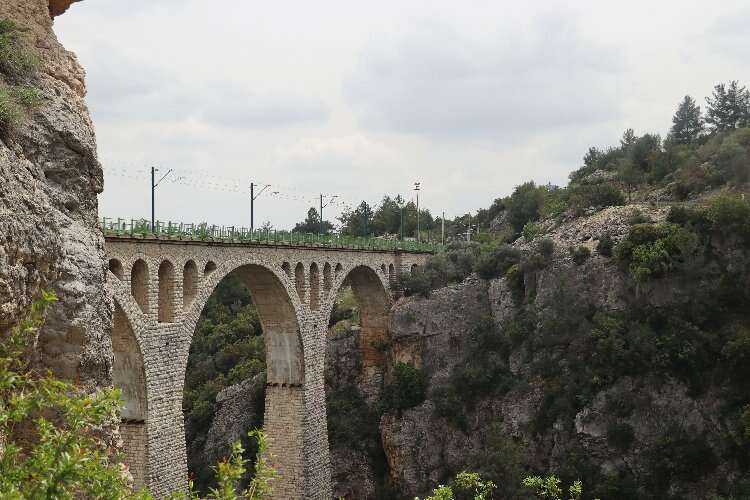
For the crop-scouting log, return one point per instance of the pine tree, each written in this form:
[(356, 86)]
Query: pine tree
[(628, 138), (687, 122), (729, 107)]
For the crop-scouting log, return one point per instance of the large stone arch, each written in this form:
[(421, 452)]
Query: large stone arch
[(129, 376), (372, 293), (282, 318)]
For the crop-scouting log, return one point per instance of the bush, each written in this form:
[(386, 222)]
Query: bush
[(746, 421), (546, 248), (730, 215), (595, 195), (679, 455), (59, 452), (620, 436), (15, 60), (654, 250), (406, 390), (605, 245), (531, 230), (11, 113), (496, 262), (580, 254)]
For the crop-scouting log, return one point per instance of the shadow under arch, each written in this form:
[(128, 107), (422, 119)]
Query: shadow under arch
[(278, 313), (129, 375)]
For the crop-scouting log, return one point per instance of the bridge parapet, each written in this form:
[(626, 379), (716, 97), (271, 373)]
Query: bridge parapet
[(132, 228)]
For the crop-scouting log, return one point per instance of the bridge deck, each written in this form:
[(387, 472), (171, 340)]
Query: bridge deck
[(139, 230)]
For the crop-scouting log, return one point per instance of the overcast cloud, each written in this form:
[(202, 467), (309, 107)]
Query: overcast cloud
[(360, 99)]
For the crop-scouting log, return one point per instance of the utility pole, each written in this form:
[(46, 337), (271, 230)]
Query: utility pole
[(442, 229), (254, 197), (153, 194), (322, 207), (416, 188)]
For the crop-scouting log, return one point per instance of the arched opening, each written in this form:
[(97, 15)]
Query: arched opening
[(189, 283), (115, 266), (327, 279), (166, 292), (314, 287), (339, 269), (354, 376), (382, 269), (414, 267), (129, 376), (299, 281), (209, 268), (139, 284), (391, 274), (287, 268), (245, 370)]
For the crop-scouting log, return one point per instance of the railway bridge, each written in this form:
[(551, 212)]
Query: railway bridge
[(160, 284)]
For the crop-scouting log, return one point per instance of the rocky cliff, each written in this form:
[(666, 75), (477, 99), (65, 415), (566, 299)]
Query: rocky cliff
[(48, 207), (569, 369)]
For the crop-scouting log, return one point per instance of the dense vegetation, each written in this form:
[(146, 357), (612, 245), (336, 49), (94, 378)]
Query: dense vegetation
[(227, 348), (18, 96)]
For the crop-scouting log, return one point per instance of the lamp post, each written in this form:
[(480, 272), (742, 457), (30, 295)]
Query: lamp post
[(253, 197), (154, 184), (416, 188)]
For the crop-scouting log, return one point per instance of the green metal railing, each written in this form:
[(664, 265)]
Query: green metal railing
[(139, 228)]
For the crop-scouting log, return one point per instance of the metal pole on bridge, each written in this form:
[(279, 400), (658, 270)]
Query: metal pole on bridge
[(153, 194)]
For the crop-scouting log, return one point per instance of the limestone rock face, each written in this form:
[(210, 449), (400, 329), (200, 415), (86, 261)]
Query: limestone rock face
[(237, 406), (49, 236), (57, 7)]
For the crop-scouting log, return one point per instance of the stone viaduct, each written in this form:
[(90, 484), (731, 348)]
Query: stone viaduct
[(160, 288)]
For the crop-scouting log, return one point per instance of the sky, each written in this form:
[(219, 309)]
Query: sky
[(361, 99)]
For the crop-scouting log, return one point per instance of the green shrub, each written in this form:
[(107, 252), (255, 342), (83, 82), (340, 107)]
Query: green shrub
[(15, 60), (496, 262), (27, 96), (406, 390), (549, 487), (59, 453), (515, 280), (546, 248), (620, 436), (11, 113), (351, 421), (531, 230), (580, 254), (746, 420), (605, 245), (678, 455), (654, 250), (595, 195), (730, 215)]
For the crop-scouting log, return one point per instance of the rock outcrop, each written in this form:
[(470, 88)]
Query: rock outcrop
[(49, 236)]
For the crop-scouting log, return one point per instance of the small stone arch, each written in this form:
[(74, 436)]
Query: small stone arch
[(287, 268), (189, 283), (338, 270), (382, 269), (166, 307), (314, 287), (139, 284), (391, 274), (209, 268), (414, 267), (299, 280), (115, 266), (327, 279)]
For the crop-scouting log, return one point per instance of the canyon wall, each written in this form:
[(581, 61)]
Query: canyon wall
[(49, 236)]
